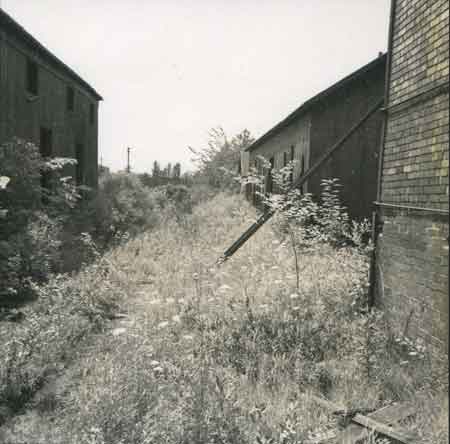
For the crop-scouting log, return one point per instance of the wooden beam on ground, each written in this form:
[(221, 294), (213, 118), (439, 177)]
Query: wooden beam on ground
[(399, 435), (389, 415), (332, 407)]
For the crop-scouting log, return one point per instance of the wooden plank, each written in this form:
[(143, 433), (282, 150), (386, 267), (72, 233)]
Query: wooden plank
[(393, 414), (390, 415), (398, 434), (332, 407)]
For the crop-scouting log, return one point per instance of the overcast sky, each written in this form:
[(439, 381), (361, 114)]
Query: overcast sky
[(169, 70)]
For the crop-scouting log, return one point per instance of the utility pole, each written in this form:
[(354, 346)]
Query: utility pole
[(128, 159)]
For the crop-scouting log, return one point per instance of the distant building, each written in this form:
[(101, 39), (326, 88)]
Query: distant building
[(318, 124), (45, 102), (413, 244)]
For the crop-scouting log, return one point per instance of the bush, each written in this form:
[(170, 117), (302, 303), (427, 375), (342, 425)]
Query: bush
[(33, 218), (218, 163), (122, 206)]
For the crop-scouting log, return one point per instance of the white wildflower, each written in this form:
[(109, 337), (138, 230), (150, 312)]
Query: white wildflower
[(118, 331), (224, 288)]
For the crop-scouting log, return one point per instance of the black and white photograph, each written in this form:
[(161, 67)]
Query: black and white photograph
[(224, 221)]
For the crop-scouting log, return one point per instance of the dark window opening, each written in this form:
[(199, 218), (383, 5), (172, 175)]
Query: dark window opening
[(302, 170), (269, 187), (45, 142), (291, 177), (32, 84), (70, 99), (46, 148), (285, 161), (91, 114), (79, 148)]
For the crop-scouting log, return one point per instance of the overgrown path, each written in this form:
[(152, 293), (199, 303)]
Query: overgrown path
[(207, 354)]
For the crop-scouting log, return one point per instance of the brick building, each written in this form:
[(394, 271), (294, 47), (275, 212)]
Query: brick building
[(413, 185), (45, 102), (319, 123)]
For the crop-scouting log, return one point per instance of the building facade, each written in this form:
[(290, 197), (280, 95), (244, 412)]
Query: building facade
[(412, 267), (318, 124), (45, 102)]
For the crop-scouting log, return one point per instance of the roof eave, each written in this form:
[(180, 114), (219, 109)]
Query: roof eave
[(8, 21), (305, 107)]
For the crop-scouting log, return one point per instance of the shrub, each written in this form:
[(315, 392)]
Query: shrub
[(33, 219), (122, 205), (218, 163)]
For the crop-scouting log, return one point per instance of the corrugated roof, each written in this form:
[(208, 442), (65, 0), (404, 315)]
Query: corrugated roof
[(7, 22), (309, 103)]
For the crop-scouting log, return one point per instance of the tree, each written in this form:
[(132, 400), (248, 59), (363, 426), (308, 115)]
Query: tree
[(218, 163), (177, 170), (146, 179), (156, 170)]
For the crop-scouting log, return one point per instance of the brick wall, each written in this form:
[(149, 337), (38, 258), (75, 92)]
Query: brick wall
[(413, 246), (420, 47), (415, 169), (413, 274)]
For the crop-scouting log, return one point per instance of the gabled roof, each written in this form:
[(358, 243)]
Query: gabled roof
[(306, 106), (8, 23)]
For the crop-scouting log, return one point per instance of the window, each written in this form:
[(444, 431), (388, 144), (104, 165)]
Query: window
[(45, 142), (91, 114), (32, 80), (45, 148), (269, 183), (79, 153), (302, 171), (70, 99), (291, 177), (285, 161)]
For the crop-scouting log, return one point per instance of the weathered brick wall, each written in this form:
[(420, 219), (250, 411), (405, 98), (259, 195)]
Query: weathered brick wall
[(415, 170), (413, 274), (420, 47), (413, 248)]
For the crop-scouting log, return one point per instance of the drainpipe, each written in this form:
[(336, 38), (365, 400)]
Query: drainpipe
[(376, 222)]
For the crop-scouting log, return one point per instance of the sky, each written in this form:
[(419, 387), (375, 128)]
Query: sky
[(170, 70)]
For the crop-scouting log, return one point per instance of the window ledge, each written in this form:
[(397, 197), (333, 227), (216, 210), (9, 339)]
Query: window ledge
[(30, 97)]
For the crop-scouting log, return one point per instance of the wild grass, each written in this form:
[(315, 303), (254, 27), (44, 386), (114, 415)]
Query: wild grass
[(209, 354)]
